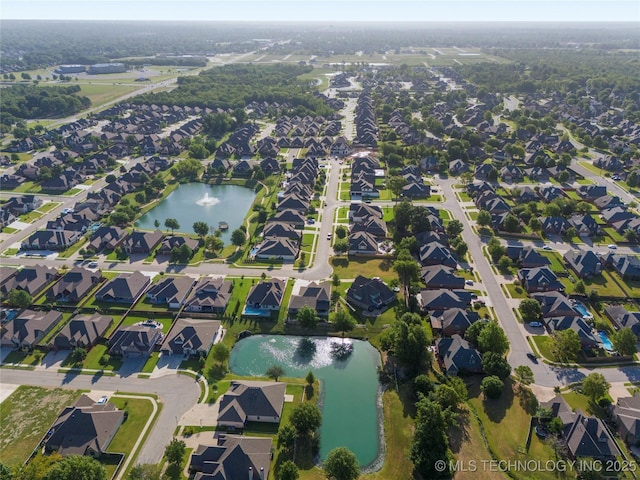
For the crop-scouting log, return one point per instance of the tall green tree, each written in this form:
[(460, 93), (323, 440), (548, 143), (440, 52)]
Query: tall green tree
[(146, 471), (595, 386), (342, 322), (275, 372), (565, 345), (238, 237), (523, 375), (305, 418), (530, 310), (396, 184), (77, 467), (307, 317), (625, 342), (174, 451), (493, 339), (201, 228), (430, 439), (19, 298), (171, 223), (288, 471), (341, 464)]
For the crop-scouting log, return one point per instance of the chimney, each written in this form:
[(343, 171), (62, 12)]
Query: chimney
[(250, 473), (261, 473)]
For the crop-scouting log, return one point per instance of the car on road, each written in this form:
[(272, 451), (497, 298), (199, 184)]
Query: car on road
[(533, 357), (612, 246), (328, 236), (547, 247), (535, 324), (616, 177)]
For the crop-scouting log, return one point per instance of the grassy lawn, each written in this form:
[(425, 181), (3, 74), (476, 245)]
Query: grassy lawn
[(630, 287), (542, 343), (165, 319), (464, 197), (398, 433), (605, 285), (577, 400), (351, 267), (23, 358), (506, 424), (73, 248), (139, 410), (103, 93), (26, 416), (32, 216), (72, 192), (47, 207), (93, 360), (10, 230), (516, 291), (557, 263), (151, 362)]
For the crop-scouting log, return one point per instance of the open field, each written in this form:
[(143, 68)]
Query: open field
[(25, 418)]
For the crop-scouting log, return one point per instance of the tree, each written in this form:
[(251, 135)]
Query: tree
[(496, 249), (310, 378), (341, 464), (275, 372), (78, 355), (238, 237), (286, 436), (341, 246), (395, 184), (447, 397), (484, 218), (495, 364), (110, 178), (307, 317), (288, 471), (595, 386), (493, 339), (37, 468), (530, 310), (19, 298), (174, 451), (201, 228), (579, 287), (77, 467), (408, 271), (343, 322), (429, 440), (565, 345), (220, 353), (5, 472), (305, 418), (523, 374), (341, 231), (625, 341), (492, 386), (146, 471), (454, 228), (511, 223), (423, 384), (407, 341), (335, 280), (156, 223), (171, 223)]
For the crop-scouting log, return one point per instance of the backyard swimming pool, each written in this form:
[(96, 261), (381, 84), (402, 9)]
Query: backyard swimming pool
[(582, 309), (606, 343)]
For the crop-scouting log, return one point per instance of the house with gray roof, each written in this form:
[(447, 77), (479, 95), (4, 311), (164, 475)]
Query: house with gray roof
[(125, 288), (584, 225), (138, 340), (585, 264), (28, 328), (554, 225), (626, 415), (51, 240), (170, 291), (370, 294), (539, 279), (437, 254), (142, 242), (73, 285), (277, 248), (628, 266), (85, 428), (362, 243), (266, 295), (233, 457), (249, 401), (190, 336), (457, 356), (281, 230), (441, 276), (555, 304), (177, 241), (453, 321), (314, 295), (106, 237), (623, 318), (443, 299), (82, 331), (588, 338), (210, 295), (589, 437)]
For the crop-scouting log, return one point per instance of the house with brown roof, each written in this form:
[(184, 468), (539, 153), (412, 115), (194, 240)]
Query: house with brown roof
[(210, 295), (74, 285), (125, 288), (106, 237), (137, 340), (171, 291), (85, 428), (626, 415), (30, 279), (82, 331), (28, 328), (265, 296), (190, 336), (249, 401), (142, 242), (232, 457), (314, 295), (176, 241)]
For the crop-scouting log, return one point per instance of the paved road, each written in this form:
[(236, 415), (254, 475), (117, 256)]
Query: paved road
[(178, 393)]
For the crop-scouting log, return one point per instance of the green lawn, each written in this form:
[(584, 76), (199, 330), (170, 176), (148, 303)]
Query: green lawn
[(542, 343), (47, 207), (151, 362), (557, 263), (26, 415), (139, 410), (93, 360), (516, 291), (577, 400), (17, 356), (351, 267)]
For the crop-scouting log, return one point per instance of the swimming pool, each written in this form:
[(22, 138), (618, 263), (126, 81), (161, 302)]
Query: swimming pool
[(255, 312), (606, 343), (581, 309)]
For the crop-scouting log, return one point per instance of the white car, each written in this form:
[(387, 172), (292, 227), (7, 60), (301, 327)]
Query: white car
[(547, 247), (469, 282), (612, 246), (93, 265)]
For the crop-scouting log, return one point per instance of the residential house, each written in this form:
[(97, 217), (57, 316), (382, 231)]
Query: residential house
[(437, 254), (292, 217), (457, 356), (30, 279), (441, 276), (82, 331), (277, 248), (555, 304), (233, 457), (626, 415), (591, 192), (125, 288), (361, 212), (170, 291), (248, 401), (134, 340), (210, 295), (539, 279), (628, 266), (370, 294), (585, 225), (585, 332), (362, 243), (189, 336), (453, 321), (589, 437), (443, 299), (142, 242), (73, 285), (266, 296), (314, 295), (281, 230), (622, 318), (554, 225), (374, 226), (28, 328), (585, 264), (177, 241), (85, 428), (106, 238), (528, 257), (51, 240)]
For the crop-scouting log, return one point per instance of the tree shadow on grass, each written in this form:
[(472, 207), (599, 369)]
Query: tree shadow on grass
[(460, 434), (527, 400)]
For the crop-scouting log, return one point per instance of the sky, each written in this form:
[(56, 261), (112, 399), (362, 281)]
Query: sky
[(325, 10)]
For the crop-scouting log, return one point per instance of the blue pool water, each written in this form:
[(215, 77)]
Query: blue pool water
[(581, 309), (255, 312), (606, 343)]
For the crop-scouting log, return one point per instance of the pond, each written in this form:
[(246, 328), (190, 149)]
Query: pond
[(349, 393), (199, 202)]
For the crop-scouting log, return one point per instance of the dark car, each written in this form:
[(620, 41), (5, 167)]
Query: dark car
[(533, 357)]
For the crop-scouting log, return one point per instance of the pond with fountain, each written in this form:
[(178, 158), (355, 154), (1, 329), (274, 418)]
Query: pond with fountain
[(349, 395), (199, 202)]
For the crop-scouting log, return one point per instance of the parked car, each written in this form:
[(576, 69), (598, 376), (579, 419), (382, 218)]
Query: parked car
[(535, 324), (547, 247), (469, 282), (533, 357), (93, 265), (612, 246)]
